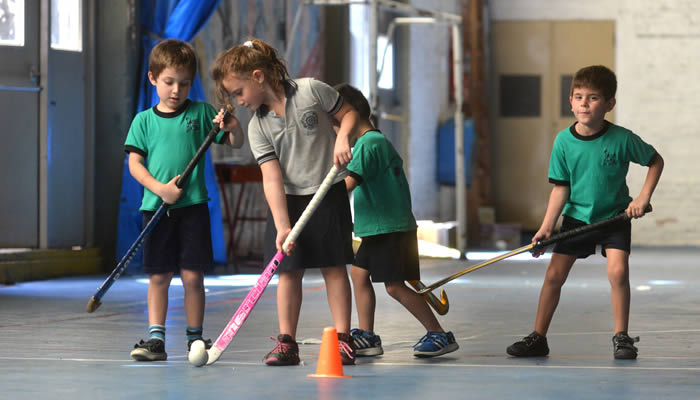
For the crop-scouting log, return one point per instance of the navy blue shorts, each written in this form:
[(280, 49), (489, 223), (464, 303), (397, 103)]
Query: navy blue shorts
[(180, 240), (391, 257), (617, 235), (325, 241)]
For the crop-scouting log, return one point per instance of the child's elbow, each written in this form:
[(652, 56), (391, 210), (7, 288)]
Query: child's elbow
[(237, 139)]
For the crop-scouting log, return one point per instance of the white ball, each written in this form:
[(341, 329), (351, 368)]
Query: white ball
[(198, 353)]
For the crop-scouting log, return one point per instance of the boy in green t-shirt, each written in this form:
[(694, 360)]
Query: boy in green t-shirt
[(588, 166), (168, 136), (389, 250)]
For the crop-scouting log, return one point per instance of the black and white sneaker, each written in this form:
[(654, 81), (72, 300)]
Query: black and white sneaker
[(623, 346), (367, 343), (152, 350), (532, 345)]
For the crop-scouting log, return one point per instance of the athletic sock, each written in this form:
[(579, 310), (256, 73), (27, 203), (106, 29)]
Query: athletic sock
[(193, 333), (156, 332)]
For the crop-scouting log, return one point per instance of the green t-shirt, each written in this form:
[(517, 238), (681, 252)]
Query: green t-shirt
[(168, 141), (595, 167), (382, 200)]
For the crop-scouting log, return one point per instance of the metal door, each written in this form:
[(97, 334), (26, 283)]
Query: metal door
[(19, 105)]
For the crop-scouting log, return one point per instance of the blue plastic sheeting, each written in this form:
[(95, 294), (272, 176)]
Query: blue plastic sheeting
[(446, 151), (166, 19)]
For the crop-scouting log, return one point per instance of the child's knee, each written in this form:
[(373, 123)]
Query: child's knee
[(394, 289), (618, 275), (192, 279)]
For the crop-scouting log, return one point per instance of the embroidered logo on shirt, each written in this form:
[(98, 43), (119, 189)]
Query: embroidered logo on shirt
[(309, 120), (609, 159), (192, 125)]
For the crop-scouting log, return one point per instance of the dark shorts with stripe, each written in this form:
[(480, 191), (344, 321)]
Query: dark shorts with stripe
[(617, 235), (180, 240), (325, 241), (390, 257)]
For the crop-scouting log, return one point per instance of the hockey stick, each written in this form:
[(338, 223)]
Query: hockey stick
[(533, 246), (254, 294), (95, 300), (441, 306)]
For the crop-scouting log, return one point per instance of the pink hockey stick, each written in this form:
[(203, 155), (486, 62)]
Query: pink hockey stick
[(253, 296)]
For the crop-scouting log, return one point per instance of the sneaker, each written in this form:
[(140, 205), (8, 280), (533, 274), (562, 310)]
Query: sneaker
[(152, 350), (532, 345), (285, 353), (347, 349), (435, 344), (367, 344), (207, 344), (623, 346)]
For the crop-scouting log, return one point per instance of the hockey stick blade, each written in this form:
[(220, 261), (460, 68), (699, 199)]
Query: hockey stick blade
[(246, 307), (95, 301), (441, 305)]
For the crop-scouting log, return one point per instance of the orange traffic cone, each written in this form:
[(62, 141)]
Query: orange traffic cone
[(329, 363)]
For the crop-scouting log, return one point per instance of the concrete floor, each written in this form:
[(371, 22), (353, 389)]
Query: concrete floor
[(54, 349)]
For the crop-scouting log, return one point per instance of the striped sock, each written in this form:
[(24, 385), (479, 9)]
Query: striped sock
[(193, 333), (156, 332)]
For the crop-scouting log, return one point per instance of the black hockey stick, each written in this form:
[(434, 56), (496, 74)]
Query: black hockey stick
[(533, 246), (95, 300)]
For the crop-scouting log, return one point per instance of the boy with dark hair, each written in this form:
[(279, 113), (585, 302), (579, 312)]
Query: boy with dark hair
[(588, 168), (168, 136), (389, 250)]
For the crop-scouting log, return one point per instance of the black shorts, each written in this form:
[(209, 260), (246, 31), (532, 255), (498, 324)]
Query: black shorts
[(390, 257), (617, 235), (180, 240), (325, 241)]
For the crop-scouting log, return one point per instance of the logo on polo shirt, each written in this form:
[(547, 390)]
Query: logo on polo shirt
[(192, 125), (609, 158), (309, 120)]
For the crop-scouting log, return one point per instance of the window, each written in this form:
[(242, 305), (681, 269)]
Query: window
[(520, 95), (12, 22), (565, 110), (66, 25), (386, 79), (359, 37)]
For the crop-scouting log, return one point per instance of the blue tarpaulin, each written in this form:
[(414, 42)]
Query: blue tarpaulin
[(166, 19)]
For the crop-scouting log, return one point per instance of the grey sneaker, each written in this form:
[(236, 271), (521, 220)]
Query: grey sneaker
[(532, 345), (623, 346), (152, 350)]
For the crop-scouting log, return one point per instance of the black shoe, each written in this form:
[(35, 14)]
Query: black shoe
[(623, 346), (152, 350), (532, 345), (285, 353)]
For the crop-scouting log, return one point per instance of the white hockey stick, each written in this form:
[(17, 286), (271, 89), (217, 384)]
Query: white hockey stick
[(253, 296)]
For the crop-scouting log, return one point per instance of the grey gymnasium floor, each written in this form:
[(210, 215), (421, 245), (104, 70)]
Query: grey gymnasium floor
[(53, 349)]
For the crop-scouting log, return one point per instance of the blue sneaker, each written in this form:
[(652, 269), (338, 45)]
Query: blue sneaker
[(435, 344), (367, 344)]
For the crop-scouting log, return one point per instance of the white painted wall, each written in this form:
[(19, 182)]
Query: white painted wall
[(658, 68)]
